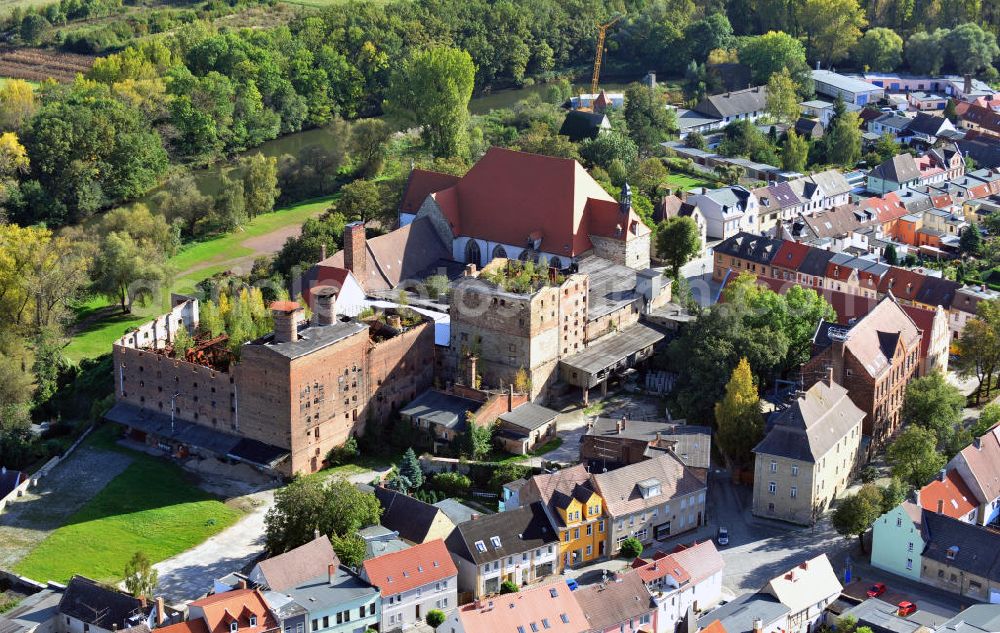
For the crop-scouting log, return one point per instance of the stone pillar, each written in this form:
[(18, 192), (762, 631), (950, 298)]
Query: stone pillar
[(604, 388), (586, 396)]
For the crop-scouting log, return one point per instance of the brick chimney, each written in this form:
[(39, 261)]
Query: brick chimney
[(355, 253), (510, 399), (161, 617), (967, 84), (324, 302), (286, 316), (242, 584), (470, 376), (331, 573), (940, 508), (322, 251)]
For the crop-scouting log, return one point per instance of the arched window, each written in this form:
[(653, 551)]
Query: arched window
[(527, 254), (472, 253), (499, 252)]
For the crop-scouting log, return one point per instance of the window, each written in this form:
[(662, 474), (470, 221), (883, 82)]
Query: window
[(909, 547), (233, 627), (253, 620), (909, 563), (772, 487), (495, 540), (545, 623), (326, 621), (315, 625), (590, 529), (564, 618), (774, 466), (481, 546), (534, 627), (795, 471), (794, 492)]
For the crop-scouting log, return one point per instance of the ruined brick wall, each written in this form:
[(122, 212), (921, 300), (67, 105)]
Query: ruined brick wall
[(633, 253), (497, 405), (614, 322), (398, 369)]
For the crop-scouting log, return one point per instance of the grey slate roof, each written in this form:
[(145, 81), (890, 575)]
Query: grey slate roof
[(443, 409), (692, 444), (815, 262), (899, 168), (319, 593), (927, 124), (609, 350), (880, 617), (98, 605), (755, 248), (411, 517), (611, 286), (812, 424), (894, 121), (298, 565), (737, 615), (457, 511), (729, 104), (978, 548), (831, 182), (312, 338), (938, 291), (777, 196), (617, 601), (979, 618), (519, 530), (529, 416)]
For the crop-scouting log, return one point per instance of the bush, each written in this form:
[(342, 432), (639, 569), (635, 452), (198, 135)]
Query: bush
[(631, 548), (452, 484), (344, 453), (869, 474), (509, 586), (435, 618)]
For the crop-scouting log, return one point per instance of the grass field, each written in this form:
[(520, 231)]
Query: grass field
[(685, 181), (194, 263), (150, 507)]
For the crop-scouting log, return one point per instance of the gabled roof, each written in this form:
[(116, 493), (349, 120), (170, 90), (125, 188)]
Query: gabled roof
[(302, 563), (815, 262), (661, 566), (520, 530), (873, 340), (410, 568), (790, 255), (983, 117), (979, 618), (888, 207), (420, 184), (552, 488), (409, 516), (235, 606), (621, 492), (812, 425), (618, 601), (98, 605), (929, 124), (548, 607), (900, 168), (756, 248), (776, 196), (970, 548), (529, 416), (729, 104), (983, 460), (700, 560), (831, 182), (938, 291), (581, 124), (509, 196), (951, 493), (805, 585), (903, 283), (738, 615)]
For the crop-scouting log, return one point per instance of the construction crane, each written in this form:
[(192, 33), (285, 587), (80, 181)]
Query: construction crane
[(602, 31)]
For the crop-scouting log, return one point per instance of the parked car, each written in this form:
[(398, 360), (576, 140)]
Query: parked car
[(906, 608), (876, 590), (573, 585), (722, 538)]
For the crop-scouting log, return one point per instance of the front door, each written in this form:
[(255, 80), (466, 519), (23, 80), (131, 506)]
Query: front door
[(418, 611)]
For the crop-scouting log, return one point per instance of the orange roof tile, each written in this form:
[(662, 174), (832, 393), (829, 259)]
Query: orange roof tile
[(951, 494), (190, 626), (220, 609), (410, 568), (662, 566), (285, 306), (421, 184), (552, 604), (790, 255), (714, 627)]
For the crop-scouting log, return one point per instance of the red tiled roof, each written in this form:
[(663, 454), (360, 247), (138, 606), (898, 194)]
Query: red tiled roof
[(955, 498), (554, 603), (238, 605), (904, 284), (410, 568), (509, 195), (421, 184), (983, 117), (663, 566), (888, 207), (790, 255), (191, 626), (714, 627), (700, 560), (924, 319)]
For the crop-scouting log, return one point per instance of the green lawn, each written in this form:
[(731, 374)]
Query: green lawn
[(194, 263), (685, 182), (151, 507)]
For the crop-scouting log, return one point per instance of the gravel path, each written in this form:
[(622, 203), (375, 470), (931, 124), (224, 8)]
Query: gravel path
[(71, 484)]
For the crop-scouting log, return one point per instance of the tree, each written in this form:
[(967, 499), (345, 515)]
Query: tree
[(677, 241), (607, 147), (34, 29), (855, 514), (695, 140), (131, 262), (880, 49), (432, 90), (506, 473), (649, 176), (409, 467), (914, 456), (478, 437), (183, 203), (988, 418), (260, 183), (631, 548), (843, 140), (782, 97), (979, 347), (832, 27), (230, 206), (336, 508), (934, 403), (739, 423), (767, 54), (541, 138), (522, 382), (649, 121), (364, 200), (708, 34), (893, 494), (925, 53), (140, 576), (509, 586), (890, 255), (350, 549), (970, 48), (795, 152), (886, 147), (951, 111), (971, 241), (18, 103), (435, 618), (368, 145)]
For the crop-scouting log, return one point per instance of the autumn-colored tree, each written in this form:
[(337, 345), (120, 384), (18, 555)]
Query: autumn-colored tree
[(738, 419), (18, 103)]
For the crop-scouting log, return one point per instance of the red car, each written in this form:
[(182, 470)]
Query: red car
[(876, 590), (906, 608)]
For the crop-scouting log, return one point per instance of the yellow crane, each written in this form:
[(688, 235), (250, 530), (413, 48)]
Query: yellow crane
[(602, 31)]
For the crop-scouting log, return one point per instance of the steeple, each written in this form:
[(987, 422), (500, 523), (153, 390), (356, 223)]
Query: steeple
[(626, 201)]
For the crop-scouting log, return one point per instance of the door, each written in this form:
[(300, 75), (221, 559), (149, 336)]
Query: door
[(418, 611)]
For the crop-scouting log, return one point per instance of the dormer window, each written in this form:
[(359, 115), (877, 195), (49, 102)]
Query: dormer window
[(952, 552), (233, 627), (253, 620)]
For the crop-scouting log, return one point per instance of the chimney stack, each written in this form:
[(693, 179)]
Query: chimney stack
[(242, 584), (942, 474), (510, 399), (967, 85), (829, 376), (471, 369), (161, 616), (286, 321), (977, 442), (355, 253), (331, 573), (758, 625), (322, 251), (395, 322), (940, 509), (324, 300)]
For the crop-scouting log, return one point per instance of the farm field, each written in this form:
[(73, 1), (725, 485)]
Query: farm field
[(151, 507), (38, 65), (102, 323)]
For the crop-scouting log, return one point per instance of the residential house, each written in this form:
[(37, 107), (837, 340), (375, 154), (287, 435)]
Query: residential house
[(575, 510), (677, 205), (518, 546), (526, 427), (807, 457), (414, 520), (689, 579), (921, 101), (948, 494), (809, 128), (744, 252), (727, 211), (874, 359), (778, 203), (818, 109), (88, 606), (550, 607), (580, 125), (749, 104), (964, 307), (806, 590), (899, 171), (413, 582), (961, 558), (283, 571), (338, 602), (237, 611), (895, 125), (978, 465), (833, 187), (747, 613), (39, 613), (981, 119), (882, 617), (979, 618), (928, 128), (622, 603), (651, 500), (898, 540), (849, 89), (442, 415), (610, 443)]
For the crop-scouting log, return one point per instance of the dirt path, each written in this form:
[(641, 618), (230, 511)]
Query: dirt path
[(71, 484), (266, 244)]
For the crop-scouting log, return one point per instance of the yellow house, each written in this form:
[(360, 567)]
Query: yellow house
[(583, 532)]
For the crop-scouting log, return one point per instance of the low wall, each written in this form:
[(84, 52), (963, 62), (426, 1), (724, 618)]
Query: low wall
[(32, 480)]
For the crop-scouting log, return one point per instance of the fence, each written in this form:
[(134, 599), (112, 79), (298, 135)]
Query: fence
[(32, 480)]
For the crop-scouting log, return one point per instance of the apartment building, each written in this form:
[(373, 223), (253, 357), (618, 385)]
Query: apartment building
[(978, 465), (549, 607), (413, 582)]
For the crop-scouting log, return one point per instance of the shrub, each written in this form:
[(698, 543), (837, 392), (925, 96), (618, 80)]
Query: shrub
[(509, 586), (344, 453), (869, 474), (435, 618), (631, 548), (452, 484)]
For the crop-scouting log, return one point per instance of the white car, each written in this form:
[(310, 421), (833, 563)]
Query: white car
[(722, 538)]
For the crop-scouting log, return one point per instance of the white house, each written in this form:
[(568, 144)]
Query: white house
[(806, 590), (689, 578), (727, 211), (413, 582)]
